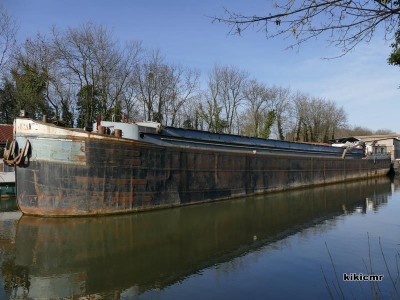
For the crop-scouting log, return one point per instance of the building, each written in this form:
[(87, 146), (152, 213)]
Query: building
[(382, 144), (7, 176), (6, 134)]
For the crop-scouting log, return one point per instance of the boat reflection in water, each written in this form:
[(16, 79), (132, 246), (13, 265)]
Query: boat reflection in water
[(8, 204), (123, 256)]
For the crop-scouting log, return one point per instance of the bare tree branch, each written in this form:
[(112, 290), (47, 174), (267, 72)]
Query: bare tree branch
[(346, 23), (8, 32)]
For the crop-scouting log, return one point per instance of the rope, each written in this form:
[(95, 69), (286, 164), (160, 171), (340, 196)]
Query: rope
[(11, 158)]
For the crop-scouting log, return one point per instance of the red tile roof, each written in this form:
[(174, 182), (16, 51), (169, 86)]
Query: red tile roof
[(6, 133)]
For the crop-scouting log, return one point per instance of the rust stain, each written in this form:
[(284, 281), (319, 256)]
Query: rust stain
[(216, 168), (111, 181), (131, 190), (147, 198)]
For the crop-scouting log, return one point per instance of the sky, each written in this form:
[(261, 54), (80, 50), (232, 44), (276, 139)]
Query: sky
[(361, 82)]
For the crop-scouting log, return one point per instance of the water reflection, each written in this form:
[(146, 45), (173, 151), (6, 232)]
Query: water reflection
[(8, 204), (118, 256)]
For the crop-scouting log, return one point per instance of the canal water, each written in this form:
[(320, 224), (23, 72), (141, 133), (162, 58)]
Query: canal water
[(288, 245)]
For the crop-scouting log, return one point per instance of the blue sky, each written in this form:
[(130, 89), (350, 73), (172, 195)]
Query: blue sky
[(362, 81)]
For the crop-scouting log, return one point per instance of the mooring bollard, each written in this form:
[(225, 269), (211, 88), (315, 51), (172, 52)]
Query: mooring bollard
[(118, 132)]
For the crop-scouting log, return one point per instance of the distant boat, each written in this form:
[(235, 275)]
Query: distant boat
[(7, 184), (124, 167), (7, 175)]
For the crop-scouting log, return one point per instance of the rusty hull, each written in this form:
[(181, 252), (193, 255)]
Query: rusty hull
[(89, 174)]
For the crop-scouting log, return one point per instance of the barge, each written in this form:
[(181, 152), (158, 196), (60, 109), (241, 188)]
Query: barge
[(124, 167), (7, 185)]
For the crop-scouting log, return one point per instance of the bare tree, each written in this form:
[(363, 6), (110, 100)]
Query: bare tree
[(361, 131), (345, 22), (224, 96), (316, 119), (152, 80), (190, 114), (232, 85), (77, 64), (115, 67), (121, 87), (281, 102), (258, 100), (131, 104), (8, 32), (183, 91), (299, 131), (210, 109), (268, 108), (335, 119), (90, 60), (384, 131)]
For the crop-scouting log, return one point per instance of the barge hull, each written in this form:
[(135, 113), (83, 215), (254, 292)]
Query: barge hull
[(91, 174)]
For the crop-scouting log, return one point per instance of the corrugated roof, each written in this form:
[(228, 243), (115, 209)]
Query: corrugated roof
[(381, 137), (6, 133), (366, 138)]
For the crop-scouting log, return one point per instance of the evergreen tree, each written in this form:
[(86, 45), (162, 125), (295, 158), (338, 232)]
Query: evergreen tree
[(29, 92), (88, 106), (8, 107)]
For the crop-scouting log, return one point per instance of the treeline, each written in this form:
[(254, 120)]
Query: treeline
[(82, 72)]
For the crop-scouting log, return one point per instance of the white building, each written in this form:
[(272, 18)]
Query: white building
[(382, 145)]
